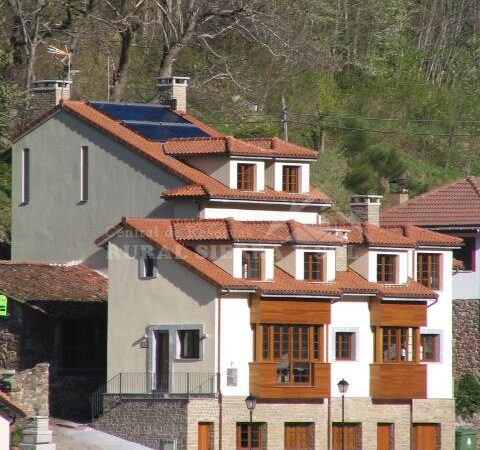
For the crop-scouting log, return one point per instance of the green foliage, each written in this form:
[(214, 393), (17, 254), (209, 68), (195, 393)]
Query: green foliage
[(467, 394), (16, 436)]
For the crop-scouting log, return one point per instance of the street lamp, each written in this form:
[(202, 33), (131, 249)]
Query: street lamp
[(343, 388), (251, 402)]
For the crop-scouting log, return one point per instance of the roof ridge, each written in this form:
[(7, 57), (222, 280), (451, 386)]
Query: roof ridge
[(193, 139), (474, 186), (229, 222)]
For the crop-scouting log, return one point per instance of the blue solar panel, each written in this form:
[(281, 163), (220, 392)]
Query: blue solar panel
[(155, 122)]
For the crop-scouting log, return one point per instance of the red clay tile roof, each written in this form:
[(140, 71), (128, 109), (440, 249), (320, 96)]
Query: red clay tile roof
[(164, 232), (220, 191), (455, 204), (425, 237), (231, 230), (369, 234), (52, 281), (7, 402), (272, 147), (412, 289), (199, 183)]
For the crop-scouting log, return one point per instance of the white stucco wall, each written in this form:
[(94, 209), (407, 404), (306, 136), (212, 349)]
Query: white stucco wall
[(236, 348), (329, 266), (352, 314), (216, 166), (466, 284), (402, 264), (220, 254), (439, 321), (250, 213), (4, 432)]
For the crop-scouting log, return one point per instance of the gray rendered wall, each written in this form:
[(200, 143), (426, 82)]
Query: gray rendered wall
[(55, 224)]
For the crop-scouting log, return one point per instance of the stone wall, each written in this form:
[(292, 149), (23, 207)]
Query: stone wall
[(30, 387), (145, 421), (466, 337)]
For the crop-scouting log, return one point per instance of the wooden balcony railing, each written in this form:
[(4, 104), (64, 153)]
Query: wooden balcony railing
[(268, 380), (398, 381)]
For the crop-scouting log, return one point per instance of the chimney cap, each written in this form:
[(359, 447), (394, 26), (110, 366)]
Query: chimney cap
[(170, 81), (43, 85), (365, 199)]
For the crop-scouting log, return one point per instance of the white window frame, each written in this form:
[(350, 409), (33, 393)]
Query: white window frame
[(84, 169), (355, 343), (25, 176)]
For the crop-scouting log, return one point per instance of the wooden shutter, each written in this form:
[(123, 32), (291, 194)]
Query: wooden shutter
[(299, 436), (352, 436)]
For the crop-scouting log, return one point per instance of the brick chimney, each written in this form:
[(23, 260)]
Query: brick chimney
[(172, 91), (398, 196), (366, 207), (46, 94)]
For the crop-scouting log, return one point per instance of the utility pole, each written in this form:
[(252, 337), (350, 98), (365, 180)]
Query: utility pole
[(284, 119)]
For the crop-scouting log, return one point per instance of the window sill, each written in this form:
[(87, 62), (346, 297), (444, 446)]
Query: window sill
[(148, 278), (187, 360)]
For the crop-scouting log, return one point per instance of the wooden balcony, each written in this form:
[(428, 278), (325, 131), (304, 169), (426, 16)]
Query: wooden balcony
[(264, 382), (398, 381)]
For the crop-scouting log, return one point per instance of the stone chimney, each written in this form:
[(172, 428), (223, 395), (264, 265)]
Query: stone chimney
[(398, 196), (172, 91), (46, 94), (366, 207)]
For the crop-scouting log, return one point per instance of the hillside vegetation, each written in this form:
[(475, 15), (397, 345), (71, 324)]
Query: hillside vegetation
[(384, 90)]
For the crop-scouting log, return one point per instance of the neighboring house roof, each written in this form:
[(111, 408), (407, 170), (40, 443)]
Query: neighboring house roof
[(55, 287), (230, 145), (454, 204), (12, 406), (425, 237), (168, 235), (199, 184), (230, 230)]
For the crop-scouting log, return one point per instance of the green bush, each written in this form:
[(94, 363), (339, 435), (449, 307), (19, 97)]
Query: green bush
[(467, 394), (16, 436)]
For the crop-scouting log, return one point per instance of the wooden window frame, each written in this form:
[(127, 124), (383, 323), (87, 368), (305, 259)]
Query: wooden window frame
[(182, 335), (246, 176), (275, 340), (247, 256), (398, 339), (25, 176), (429, 277), (309, 273), (435, 344), (383, 275), (261, 435), (342, 337), (84, 174), (291, 179)]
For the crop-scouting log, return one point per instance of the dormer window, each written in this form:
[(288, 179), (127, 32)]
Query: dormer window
[(386, 269), (428, 269), (246, 177), (252, 265), (313, 265), (291, 179)]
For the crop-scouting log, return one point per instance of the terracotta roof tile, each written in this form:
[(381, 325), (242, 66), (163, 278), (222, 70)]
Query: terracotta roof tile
[(369, 234), (312, 234), (425, 237), (455, 204), (52, 281), (412, 289), (182, 147)]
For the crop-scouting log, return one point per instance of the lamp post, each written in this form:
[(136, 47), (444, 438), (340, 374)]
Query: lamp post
[(251, 403), (343, 387)]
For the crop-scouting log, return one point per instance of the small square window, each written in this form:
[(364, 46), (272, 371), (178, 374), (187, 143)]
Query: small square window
[(386, 268), (252, 262), (313, 266), (430, 347), (344, 346), (189, 344), (246, 177)]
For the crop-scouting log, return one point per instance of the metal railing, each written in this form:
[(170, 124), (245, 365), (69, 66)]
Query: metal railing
[(152, 385)]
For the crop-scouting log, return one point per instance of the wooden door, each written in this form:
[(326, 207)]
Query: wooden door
[(384, 436), (162, 360), (351, 433), (204, 436), (299, 436), (425, 436)]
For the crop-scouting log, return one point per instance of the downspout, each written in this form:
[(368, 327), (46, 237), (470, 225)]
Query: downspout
[(219, 389)]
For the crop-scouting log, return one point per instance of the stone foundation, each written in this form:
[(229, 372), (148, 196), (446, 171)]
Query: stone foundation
[(466, 337), (145, 421), (30, 387)]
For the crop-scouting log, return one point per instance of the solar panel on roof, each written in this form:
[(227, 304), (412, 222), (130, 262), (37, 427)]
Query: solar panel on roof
[(155, 122)]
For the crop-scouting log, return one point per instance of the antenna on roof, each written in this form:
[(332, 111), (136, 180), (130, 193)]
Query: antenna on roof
[(66, 57)]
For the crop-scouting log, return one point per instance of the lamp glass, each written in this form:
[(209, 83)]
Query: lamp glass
[(343, 386), (251, 402)]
